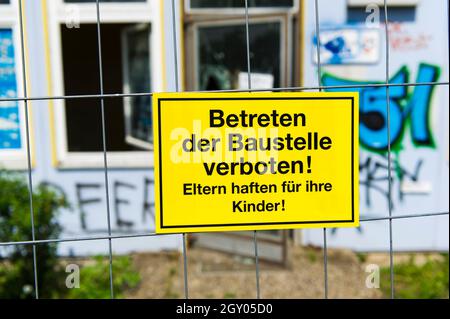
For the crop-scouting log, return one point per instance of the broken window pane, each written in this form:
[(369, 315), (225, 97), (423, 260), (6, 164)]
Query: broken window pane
[(223, 66)]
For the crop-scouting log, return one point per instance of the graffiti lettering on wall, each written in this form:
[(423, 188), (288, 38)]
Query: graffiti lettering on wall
[(408, 107), (373, 176), (410, 111), (90, 200)]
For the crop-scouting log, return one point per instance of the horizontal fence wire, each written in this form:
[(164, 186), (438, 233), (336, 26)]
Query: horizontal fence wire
[(290, 88), (150, 234)]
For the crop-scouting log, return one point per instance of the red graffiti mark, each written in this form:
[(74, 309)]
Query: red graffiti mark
[(403, 40)]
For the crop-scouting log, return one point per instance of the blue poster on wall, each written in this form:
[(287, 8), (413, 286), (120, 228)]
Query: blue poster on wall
[(9, 110)]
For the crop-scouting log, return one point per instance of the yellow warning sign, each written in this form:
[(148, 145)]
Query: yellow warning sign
[(254, 161)]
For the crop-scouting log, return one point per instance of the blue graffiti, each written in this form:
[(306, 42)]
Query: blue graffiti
[(337, 47), (403, 106)]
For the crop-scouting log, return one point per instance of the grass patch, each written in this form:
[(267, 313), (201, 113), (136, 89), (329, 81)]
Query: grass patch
[(169, 293), (94, 279), (362, 257), (312, 256), (427, 281), (229, 295)]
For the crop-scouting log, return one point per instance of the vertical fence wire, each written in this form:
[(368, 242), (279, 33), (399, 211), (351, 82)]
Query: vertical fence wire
[(29, 168), (325, 264), (177, 89), (249, 79), (319, 73), (391, 250), (186, 287), (105, 156)]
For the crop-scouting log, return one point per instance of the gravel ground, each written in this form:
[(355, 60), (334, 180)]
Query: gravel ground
[(216, 275)]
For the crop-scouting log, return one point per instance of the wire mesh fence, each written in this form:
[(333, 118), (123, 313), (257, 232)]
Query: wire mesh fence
[(102, 96)]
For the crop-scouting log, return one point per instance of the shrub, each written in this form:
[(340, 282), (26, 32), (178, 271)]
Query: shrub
[(16, 262)]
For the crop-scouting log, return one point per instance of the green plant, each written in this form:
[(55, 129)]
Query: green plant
[(169, 293), (427, 281), (172, 272), (362, 257), (229, 295), (312, 256), (94, 279), (16, 262)]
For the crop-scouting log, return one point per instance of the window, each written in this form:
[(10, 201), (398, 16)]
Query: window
[(223, 67), (81, 77), (12, 118), (135, 61), (212, 63), (131, 56), (399, 10), (363, 3), (86, 1), (396, 14), (238, 6), (239, 3)]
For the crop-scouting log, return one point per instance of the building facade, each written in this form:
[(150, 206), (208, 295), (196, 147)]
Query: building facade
[(140, 54)]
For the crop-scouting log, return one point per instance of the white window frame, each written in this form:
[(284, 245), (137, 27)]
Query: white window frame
[(126, 89), (16, 159), (238, 11), (229, 22), (139, 12), (391, 3)]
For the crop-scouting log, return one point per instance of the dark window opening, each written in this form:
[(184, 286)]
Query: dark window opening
[(395, 14), (81, 76), (221, 63), (196, 4), (118, 1)]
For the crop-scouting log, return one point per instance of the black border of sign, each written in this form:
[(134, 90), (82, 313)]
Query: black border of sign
[(256, 98)]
